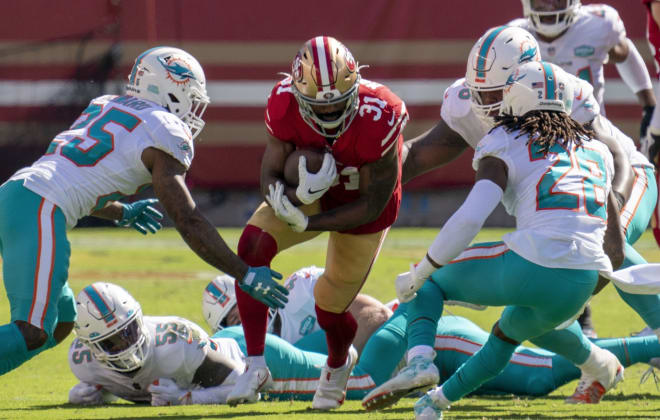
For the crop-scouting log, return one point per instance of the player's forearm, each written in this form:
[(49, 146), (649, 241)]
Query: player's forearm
[(427, 152), (113, 211), (346, 217), (271, 178), (206, 242), (613, 242)]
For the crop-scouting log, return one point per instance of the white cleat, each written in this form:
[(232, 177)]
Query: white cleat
[(420, 375), (331, 391), (430, 406), (592, 388), (247, 387)]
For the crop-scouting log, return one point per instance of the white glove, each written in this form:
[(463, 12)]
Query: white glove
[(86, 394), (407, 284), (165, 391), (283, 208), (311, 186)]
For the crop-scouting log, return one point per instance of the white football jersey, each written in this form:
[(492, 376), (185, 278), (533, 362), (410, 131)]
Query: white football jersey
[(177, 349), (635, 157), (99, 158), (459, 116), (583, 48), (559, 201), (299, 316)]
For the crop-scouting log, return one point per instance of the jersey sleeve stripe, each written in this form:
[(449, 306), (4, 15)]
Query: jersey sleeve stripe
[(394, 133)]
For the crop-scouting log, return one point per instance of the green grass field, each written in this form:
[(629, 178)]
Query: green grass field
[(168, 279)]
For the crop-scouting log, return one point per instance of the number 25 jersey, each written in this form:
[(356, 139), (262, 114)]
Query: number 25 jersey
[(377, 127), (98, 159)]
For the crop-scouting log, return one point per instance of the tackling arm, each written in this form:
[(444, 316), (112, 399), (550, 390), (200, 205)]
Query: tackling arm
[(436, 147), (377, 182), (195, 229)]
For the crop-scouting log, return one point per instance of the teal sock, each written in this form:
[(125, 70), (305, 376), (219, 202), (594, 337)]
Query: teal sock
[(569, 343), (13, 350), (631, 350), (386, 347), (423, 315), (484, 365)]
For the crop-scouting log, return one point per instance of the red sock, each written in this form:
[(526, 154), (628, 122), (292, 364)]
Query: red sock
[(256, 248), (339, 333)]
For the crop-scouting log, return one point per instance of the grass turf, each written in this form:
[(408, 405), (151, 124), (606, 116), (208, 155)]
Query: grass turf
[(168, 279)]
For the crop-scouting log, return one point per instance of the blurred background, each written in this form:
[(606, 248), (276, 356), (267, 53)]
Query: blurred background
[(57, 55)]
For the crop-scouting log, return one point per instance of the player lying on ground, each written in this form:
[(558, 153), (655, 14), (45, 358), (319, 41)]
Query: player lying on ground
[(116, 148), (556, 180), (191, 368), (296, 322)]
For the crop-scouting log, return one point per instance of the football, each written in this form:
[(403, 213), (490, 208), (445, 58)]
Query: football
[(314, 162)]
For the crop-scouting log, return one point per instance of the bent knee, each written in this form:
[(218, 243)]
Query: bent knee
[(35, 337), (62, 330)]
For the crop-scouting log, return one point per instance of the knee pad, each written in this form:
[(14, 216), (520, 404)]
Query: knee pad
[(256, 247)]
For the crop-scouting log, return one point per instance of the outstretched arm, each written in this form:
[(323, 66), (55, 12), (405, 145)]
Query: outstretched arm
[(436, 147)]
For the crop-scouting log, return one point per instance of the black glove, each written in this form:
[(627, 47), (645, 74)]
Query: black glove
[(654, 148), (647, 113)]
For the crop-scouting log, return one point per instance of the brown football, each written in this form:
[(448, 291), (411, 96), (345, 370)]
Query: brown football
[(314, 161)]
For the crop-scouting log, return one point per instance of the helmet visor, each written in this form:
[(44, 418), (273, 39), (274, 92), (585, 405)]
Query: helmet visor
[(121, 340)]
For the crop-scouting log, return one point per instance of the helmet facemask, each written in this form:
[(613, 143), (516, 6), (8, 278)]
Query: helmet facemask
[(125, 350), (550, 17)]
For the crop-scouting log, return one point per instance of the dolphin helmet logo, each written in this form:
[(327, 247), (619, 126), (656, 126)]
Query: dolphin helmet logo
[(178, 71)]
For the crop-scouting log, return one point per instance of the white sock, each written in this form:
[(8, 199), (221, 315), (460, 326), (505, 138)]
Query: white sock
[(426, 351), (438, 397), (256, 361)]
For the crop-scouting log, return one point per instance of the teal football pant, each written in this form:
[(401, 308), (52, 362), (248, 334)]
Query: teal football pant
[(537, 300), (35, 262)]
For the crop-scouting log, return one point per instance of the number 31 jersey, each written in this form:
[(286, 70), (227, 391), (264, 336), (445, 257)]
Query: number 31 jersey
[(377, 127), (98, 159), (559, 200)]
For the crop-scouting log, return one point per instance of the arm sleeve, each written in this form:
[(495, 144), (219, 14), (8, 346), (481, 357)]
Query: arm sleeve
[(464, 225), (633, 70)]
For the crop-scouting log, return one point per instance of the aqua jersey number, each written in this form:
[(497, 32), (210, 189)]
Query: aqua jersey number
[(588, 164)]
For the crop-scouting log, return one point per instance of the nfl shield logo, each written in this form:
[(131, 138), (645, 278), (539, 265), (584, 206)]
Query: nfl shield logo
[(551, 51)]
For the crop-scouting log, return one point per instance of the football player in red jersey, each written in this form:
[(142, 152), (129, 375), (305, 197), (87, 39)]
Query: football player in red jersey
[(324, 104), (653, 137)]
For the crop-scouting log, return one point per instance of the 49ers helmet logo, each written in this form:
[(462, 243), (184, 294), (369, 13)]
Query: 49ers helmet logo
[(296, 69), (350, 61), (178, 71)]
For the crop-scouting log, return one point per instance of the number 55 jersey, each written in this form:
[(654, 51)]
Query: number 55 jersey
[(98, 159), (375, 130), (559, 200)]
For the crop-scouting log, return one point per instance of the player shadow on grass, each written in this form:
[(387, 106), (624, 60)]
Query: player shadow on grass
[(610, 397)]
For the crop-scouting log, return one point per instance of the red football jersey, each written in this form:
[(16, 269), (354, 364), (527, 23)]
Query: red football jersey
[(376, 128), (653, 34)]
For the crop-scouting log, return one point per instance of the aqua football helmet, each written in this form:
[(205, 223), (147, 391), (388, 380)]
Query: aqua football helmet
[(325, 74), (550, 17), (537, 86), (110, 324), (173, 79), (492, 59), (217, 301)]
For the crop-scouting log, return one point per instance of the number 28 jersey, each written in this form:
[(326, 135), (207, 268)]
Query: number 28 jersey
[(377, 127), (559, 200), (98, 159)]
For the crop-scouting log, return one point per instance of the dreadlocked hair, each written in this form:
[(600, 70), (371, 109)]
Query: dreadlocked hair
[(545, 128)]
